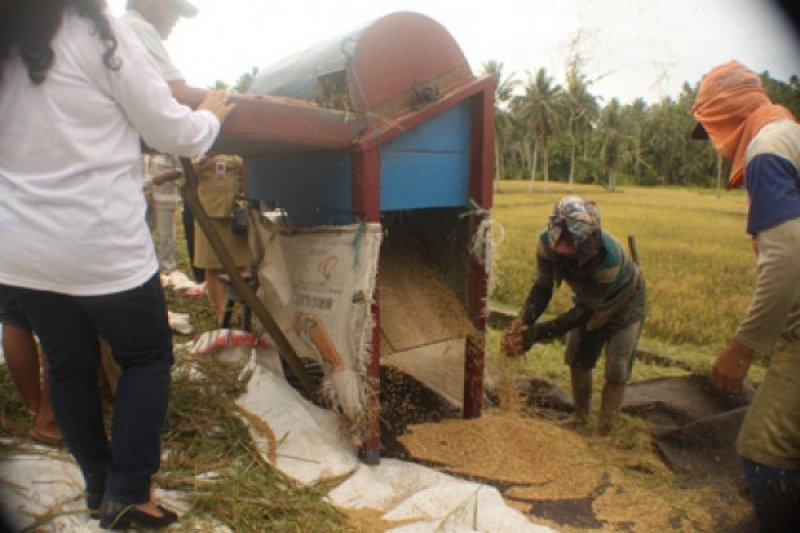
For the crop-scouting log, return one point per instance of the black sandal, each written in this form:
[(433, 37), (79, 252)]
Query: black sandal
[(114, 515)]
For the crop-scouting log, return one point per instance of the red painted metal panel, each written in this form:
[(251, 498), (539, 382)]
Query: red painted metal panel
[(481, 175), (260, 124), (366, 183), (482, 164), (371, 447), (366, 202), (384, 131), (397, 53)]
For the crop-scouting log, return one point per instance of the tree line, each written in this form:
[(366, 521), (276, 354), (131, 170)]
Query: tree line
[(553, 132)]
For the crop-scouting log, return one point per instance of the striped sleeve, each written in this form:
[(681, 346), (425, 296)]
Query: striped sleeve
[(614, 283)]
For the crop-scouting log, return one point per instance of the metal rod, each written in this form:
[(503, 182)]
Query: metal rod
[(245, 292)]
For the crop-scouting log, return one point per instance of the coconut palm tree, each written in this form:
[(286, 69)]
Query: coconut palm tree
[(502, 121), (665, 139), (610, 129), (539, 113), (581, 108), (634, 116)]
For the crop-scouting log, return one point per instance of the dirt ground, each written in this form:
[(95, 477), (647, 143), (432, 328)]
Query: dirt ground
[(672, 470)]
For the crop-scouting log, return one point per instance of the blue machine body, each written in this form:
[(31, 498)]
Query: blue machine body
[(426, 167)]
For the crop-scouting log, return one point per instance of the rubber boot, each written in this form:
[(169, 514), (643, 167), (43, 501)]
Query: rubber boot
[(610, 402), (581, 381)]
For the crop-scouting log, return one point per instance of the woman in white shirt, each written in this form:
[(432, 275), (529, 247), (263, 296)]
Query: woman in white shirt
[(77, 90)]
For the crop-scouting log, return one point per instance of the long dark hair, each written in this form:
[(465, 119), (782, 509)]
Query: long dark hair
[(27, 27)]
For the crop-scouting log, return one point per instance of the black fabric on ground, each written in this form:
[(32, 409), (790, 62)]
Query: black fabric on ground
[(694, 426)]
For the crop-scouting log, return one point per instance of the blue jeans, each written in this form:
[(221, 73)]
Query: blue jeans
[(134, 323), (775, 493)]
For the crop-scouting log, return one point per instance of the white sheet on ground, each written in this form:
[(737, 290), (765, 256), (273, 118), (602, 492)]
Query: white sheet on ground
[(307, 442), (37, 483), (43, 484), (310, 448), (432, 500)]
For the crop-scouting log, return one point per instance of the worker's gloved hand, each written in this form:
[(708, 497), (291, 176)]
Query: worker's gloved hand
[(512, 342)]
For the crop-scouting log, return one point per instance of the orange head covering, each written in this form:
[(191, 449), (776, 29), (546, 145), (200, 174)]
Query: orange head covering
[(733, 106)]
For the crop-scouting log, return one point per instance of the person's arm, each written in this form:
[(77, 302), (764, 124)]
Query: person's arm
[(541, 291), (154, 46), (552, 329), (185, 94), (164, 177), (537, 300), (731, 366), (777, 291), (163, 123)]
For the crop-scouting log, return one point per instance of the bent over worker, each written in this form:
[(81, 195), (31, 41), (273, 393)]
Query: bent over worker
[(609, 296)]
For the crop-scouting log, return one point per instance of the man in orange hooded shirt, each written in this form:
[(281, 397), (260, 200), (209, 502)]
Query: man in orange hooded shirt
[(762, 141)]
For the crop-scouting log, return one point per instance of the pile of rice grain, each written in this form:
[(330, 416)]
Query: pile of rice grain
[(532, 460)]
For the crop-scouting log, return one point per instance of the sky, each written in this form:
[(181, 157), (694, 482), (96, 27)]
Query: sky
[(631, 48)]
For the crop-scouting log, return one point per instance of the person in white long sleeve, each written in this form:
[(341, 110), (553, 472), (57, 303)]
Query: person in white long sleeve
[(77, 90)]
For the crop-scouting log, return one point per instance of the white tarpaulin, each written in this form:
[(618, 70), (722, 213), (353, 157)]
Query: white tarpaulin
[(318, 284), (43, 485), (302, 440), (305, 443), (41, 489), (429, 500)]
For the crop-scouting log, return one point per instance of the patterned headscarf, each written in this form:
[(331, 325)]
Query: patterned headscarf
[(577, 216), (732, 106)]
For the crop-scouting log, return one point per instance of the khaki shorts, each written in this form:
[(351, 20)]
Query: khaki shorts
[(770, 432), (237, 245), (583, 350)]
